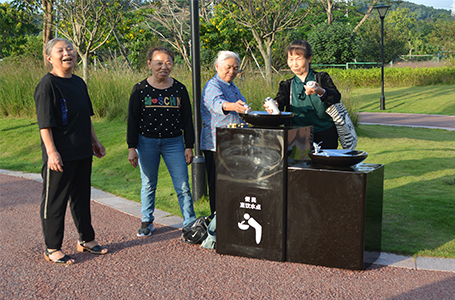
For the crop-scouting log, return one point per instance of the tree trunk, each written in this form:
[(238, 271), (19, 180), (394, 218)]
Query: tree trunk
[(266, 51), (329, 12), (85, 66), (365, 17), (268, 64), (47, 26), (122, 50)]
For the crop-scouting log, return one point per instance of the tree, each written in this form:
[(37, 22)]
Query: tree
[(404, 22), (133, 37), (46, 8), (328, 6), (367, 15), (15, 26), (335, 43), (395, 41), (221, 32), (265, 19), (88, 24), (47, 24), (443, 34), (170, 20), (370, 4)]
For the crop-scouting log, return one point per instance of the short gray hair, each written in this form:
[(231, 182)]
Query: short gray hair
[(223, 55), (52, 43)]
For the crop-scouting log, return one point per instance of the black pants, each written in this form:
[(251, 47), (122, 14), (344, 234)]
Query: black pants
[(328, 137), (73, 185), (211, 177)]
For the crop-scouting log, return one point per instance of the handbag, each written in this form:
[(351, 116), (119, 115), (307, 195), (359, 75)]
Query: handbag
[(196, 231), (344, 126), (210, 241)]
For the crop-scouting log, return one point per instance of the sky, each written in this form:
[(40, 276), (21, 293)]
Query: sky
[(444, 4)]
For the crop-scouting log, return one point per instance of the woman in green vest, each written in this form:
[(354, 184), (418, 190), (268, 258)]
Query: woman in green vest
[(308, 94)]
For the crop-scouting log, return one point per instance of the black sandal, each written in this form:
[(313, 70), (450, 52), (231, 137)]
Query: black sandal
[(62, 261), (94, 250)]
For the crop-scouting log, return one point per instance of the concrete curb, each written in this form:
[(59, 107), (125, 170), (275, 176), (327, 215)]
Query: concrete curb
[(164, 218)]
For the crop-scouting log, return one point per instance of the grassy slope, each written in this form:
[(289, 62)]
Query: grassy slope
[(419, 167), (418, 188)]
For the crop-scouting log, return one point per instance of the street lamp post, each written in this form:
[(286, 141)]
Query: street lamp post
[(382, 10), (199, 181)]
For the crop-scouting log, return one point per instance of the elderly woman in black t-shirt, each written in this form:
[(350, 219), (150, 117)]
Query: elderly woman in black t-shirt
[(159, 110), (68, 142)]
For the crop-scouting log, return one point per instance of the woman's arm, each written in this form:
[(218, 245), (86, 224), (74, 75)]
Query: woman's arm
[(331, 95), (284, 93), (218, 102), (132, 121), (54, 160)]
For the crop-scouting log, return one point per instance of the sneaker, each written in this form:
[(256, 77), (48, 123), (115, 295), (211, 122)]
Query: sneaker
[(146, 229)]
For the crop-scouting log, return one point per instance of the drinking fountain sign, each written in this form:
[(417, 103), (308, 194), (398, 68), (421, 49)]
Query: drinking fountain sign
[(248, 221)]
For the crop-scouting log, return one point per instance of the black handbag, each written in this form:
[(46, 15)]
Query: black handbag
[(196, 231)]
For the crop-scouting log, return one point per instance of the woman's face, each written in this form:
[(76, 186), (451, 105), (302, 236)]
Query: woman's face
[(161, 65), (62, 57), (298, 64), (228, 69)]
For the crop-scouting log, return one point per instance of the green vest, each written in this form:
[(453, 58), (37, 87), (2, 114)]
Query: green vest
[(308, 110)]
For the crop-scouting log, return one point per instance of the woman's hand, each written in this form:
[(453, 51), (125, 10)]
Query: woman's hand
[(269, 110), (54, 161), (98, 149), (239, 106), (315, 89), (133, 157), (189, 155)]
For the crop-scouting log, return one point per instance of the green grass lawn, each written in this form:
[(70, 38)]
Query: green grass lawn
[(434, 99), (419, 211)]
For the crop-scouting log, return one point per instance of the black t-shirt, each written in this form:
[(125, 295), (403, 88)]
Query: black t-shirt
[(64, 105)]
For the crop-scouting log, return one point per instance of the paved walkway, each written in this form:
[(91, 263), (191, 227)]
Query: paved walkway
[(134, 209), (409, 120)]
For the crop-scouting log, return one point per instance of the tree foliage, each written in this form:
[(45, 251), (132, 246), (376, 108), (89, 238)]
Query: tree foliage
[(88, 24), (265, 19), (170, 20), (221, 32), (134, 37), (395, 38), (333, 43), (15, 26), (444, 35)]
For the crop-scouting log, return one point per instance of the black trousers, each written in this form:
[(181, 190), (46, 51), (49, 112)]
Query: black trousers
[(328, 137), (211, 178), (73, 185)]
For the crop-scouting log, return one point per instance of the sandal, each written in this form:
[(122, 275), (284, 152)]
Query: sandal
[(94, 250), (63, 261)]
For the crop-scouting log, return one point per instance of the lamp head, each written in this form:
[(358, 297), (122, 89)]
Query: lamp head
[(382, 10)]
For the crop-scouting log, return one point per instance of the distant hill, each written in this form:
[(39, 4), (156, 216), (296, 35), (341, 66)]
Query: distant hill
[(423, 12)]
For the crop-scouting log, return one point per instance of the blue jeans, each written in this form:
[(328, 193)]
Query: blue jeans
[(173, 152)]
